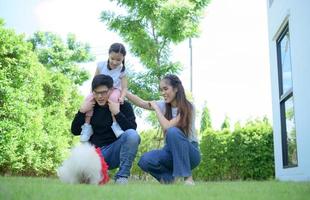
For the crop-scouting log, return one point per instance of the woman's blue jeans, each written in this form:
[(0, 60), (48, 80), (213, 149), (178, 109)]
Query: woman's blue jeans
[(176, 159)]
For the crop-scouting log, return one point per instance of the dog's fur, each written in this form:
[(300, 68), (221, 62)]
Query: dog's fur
[(83, 166)]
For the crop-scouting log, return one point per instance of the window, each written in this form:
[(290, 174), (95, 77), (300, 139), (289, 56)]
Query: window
[(288, 130), (270, 3)]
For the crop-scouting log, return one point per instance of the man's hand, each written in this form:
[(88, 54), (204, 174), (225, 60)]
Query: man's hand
[(88, 104), (121, 100), (114, 107)]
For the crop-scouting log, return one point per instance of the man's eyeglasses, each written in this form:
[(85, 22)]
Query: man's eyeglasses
[(101, 93)]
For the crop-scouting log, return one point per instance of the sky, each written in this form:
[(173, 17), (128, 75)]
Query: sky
[(230, 58)]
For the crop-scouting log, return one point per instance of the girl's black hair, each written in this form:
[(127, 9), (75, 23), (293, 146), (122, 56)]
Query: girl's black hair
[(118, 48)]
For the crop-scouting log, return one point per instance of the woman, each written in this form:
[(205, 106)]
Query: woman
[(176, 116)]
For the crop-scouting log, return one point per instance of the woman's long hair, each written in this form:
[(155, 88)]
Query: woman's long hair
[(185, 108)]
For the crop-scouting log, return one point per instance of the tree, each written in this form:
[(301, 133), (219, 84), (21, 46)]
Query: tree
[(21, 77), (226, 123), (60, 86), (205, 122), (63, 57), (38, 98), (149, 29)]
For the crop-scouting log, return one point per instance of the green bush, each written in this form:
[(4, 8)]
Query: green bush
[(214, 162), (21, 77), (246, 153), (37, 106)]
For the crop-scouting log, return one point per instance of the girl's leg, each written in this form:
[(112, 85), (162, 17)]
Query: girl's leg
[(89, 114), (115, 95), (185, 154), (116, 128), (87, 130)]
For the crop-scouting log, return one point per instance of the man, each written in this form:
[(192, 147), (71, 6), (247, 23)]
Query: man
[(117, 151)]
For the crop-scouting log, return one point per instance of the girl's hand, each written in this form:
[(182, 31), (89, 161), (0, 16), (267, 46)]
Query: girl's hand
[(114, 107), (88, 104)]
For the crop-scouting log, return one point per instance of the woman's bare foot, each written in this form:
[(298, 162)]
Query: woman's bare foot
[(189, 181)]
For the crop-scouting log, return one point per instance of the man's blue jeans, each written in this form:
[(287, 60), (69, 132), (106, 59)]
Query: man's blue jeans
[(122, 152)]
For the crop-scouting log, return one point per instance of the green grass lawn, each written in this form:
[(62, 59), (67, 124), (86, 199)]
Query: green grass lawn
[(29, 188)]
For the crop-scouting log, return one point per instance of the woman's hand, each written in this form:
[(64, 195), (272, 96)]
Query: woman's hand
[(163, 121), (114, 107), (153, 104)]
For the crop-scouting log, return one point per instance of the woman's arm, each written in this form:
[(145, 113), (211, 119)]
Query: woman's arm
[(138, 101), (164, 123)]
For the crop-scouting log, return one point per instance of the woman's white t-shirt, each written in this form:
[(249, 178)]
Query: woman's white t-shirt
[(192, 137)]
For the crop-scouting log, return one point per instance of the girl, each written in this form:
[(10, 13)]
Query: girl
[(114, 67), (176, 116)]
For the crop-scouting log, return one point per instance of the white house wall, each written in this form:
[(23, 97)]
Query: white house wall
[(297, 13)]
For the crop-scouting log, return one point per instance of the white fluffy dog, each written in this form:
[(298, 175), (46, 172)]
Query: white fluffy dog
[(84, 165)]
